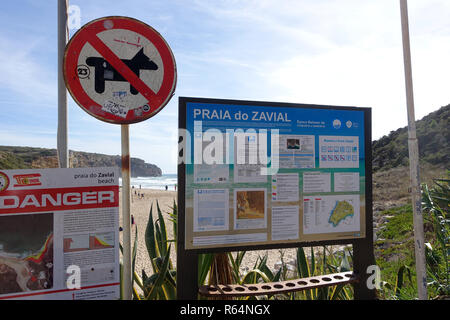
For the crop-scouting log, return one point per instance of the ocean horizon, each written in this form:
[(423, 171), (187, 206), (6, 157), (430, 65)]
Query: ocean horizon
[(157, 183)]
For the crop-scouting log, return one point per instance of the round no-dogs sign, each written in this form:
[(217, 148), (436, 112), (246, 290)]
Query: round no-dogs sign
[(119, 70)]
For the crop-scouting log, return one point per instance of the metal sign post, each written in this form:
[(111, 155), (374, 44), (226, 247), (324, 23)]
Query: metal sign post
[(126, 218), (63, 156), (413, 148), (121, 71)]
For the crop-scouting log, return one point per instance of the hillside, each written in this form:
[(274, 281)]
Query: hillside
[(433, 133), (28, 157), (391, 183)]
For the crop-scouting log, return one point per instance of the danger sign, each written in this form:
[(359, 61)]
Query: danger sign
[(119, 70)]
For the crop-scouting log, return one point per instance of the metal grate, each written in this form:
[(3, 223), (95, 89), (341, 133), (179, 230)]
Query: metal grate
[(271, 288)]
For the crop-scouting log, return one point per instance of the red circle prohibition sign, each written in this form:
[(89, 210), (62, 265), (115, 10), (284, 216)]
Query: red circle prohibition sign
[(119, 70)]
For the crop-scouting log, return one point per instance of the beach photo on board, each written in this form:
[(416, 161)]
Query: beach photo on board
[(26, 252)]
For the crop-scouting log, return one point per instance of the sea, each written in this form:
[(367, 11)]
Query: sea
[(157, 183)]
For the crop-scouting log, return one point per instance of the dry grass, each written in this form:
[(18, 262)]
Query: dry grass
[(391, 187)]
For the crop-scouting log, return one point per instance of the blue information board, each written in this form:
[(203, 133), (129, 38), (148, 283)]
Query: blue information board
[(267, 174)]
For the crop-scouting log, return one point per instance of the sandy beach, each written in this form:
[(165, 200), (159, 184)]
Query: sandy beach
[(140, 208)]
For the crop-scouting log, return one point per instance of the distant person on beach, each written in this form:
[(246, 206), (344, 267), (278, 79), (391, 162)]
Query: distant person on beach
[(175, 186), (167, 188)]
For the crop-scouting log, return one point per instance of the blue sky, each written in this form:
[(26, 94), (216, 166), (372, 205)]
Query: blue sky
[(337, 52)]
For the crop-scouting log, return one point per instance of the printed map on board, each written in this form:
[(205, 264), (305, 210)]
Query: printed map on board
[(342, 210), (331, 213)]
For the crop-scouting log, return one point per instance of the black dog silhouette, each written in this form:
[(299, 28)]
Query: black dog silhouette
[(105, 72)]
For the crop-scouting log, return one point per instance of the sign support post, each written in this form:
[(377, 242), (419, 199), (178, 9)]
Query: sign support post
[(62, 94), (414, 160), (126, 219), (187, 273), (362, 257)]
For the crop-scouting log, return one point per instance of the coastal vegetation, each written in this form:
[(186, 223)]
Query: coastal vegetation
[(433, 134), (393, 228), (393, 224), (394, 254)]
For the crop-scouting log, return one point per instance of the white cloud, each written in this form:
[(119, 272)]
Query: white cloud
[(343, 53), (347, 77)]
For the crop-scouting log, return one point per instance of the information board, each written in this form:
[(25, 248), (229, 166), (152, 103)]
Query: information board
[(59, 234), (267, 174)]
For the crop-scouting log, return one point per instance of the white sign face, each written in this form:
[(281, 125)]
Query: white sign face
[(119, 70), (59, 234), (285, 187), (339, 152), (285, 225), (316, 182), (212, 210), (105, 86)]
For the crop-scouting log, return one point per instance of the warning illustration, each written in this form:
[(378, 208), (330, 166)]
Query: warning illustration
[(105, 72)]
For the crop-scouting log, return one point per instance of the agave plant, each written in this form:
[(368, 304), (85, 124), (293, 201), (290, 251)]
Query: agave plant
[(161, 284), (212, 268), (326, 262), (316, 265), (259, 273), (436, 205), (226, 267), (436, 202)]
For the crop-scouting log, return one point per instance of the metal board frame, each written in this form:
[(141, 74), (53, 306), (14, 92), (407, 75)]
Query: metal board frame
[(363, 256)]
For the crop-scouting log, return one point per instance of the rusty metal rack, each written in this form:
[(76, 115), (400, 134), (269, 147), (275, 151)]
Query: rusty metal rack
[(271, 288)]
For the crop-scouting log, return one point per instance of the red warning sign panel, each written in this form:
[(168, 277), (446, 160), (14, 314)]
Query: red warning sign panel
[(119, 70)]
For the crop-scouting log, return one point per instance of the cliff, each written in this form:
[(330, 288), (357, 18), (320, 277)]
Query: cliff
[(28, 157)]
